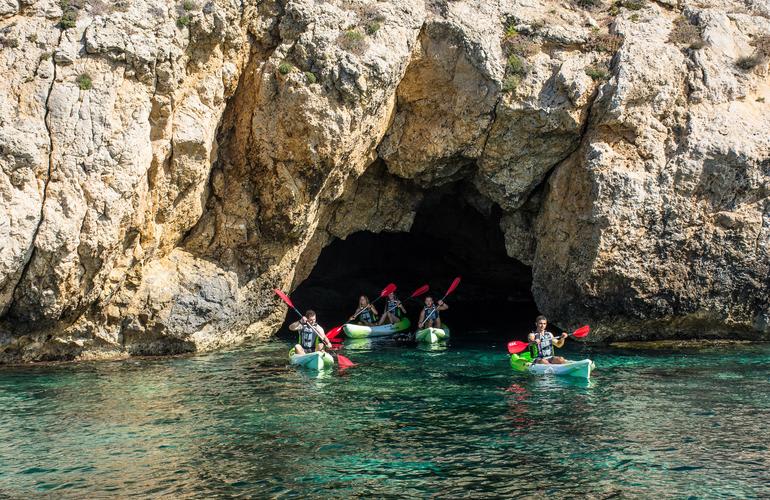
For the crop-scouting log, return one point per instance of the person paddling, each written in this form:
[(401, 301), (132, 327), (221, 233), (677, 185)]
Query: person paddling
[(542, 343), (367, 313), (394, 311), (430, 315), (309, 334)]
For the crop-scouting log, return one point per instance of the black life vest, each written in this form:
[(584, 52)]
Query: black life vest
[(431, 313), (308, 338)]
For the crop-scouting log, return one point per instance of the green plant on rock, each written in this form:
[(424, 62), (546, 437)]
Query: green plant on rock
[(597, 74), (372, 27), (511, 31), (511, 83), (84, 81), (183, 21), (516, 65), (285, 68), (310, 77), (353, 40), (188, 5), (632, 4)]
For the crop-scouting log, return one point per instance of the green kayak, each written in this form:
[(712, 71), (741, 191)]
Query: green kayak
[(432, 335), (579, 369), (313, 361), (362, 331)]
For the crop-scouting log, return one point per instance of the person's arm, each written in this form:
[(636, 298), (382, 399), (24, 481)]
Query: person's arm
[(559, 342), (374, 309), (401, 306), (442, 306), (422, 318), (297, 324), (322, 336)]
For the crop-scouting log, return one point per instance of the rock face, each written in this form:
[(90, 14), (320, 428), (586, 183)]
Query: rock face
[(165, 165)]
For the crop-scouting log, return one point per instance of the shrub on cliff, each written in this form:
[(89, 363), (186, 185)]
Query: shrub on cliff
[(353, 40), (84, 81), (510, 83), (603, 42), (597, 74), (760, 55), (685, 33)]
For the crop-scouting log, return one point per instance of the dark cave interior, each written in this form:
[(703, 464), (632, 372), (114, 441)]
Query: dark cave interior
[(449, 238)]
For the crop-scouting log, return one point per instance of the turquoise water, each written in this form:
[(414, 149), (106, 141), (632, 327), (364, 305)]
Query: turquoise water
[(404, 422)]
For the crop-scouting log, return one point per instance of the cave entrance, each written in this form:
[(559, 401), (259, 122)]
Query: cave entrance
[(449, 237)]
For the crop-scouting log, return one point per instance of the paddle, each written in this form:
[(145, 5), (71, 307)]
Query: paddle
[(451, 289), (390, 288), (515, 346), (342, 361)]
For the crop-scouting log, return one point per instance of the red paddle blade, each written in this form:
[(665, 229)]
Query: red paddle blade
[(582, 331), (344, 362), (284, 297), (388, 290), (515, 346), (423, 289), (453, 286), (332, 334)]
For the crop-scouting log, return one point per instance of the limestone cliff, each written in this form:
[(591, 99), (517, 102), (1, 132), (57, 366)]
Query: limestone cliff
[(165, 164)]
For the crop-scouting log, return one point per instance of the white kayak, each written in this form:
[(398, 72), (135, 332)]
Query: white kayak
[(432, 335), (353, 331), (312, 361), (577, 369)]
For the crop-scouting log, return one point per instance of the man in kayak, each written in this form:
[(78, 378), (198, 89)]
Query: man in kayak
[(430, 314), (367, 313), (309, 333), (542, 343), (394, 311)]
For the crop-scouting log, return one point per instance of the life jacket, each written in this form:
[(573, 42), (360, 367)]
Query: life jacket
[(367, 316), (546, 345), (308, 338), (431, 313), (393, 308)]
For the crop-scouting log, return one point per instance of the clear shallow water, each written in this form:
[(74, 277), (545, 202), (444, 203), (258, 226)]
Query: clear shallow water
[(405, 422)]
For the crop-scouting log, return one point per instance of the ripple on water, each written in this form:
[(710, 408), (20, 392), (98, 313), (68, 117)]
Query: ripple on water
[(404, 422)]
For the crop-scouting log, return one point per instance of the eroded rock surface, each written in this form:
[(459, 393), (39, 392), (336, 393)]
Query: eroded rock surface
[(165, 165)]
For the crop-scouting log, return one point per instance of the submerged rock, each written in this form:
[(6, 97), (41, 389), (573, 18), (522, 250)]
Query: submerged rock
[(165, 165)]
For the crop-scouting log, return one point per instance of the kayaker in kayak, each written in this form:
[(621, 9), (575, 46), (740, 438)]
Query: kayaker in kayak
[(366, 314), (394, 311), (542, 343), (309, 333), (430, 316)]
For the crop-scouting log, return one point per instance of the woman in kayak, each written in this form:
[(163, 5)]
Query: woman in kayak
[(366, 314), (309, 333), (430, 314), (394, 311), (542, 343)]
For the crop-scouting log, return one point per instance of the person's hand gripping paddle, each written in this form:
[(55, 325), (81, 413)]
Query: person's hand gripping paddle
[(516, 346)]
